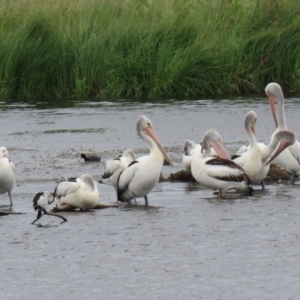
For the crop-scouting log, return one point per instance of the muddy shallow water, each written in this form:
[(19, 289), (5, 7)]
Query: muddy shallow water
[(186, 245)]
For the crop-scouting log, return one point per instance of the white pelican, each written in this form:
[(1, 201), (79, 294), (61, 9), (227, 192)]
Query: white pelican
[(115, 166), (280, 141), (250, 161), (40, 201), (142, 175), (7, 174), (219, 173), (82, 193), (290, 158), (192, 149)]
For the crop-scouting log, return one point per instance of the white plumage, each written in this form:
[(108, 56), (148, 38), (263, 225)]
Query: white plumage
[(219, 173), (191, 150), (115, 166), (279, 142), (289, 159), (7, 174), (142, 175), (82, 193), (250, 160)]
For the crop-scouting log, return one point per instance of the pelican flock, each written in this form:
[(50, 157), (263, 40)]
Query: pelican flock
[(208, 162)]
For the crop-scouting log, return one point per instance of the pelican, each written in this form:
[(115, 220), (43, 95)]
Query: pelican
[(250, 161), (82, 193), (289, 159), (142, 175), (279, 142), (219, 173), (192, 149), (7, 174), (40, 201), (115, 166)]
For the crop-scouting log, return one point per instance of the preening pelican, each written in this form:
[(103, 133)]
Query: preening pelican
[(115, 166), (40, 202), (7, 174), (142, 175), (82, 193), (219, 173), (279, 142), (289, 159), (192, 149), (250, 161)]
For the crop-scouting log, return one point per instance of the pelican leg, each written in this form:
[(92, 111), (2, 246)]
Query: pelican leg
[(262, 183), (135, 202), (9, 195), (293, 177), (146, 201), (39, 215)]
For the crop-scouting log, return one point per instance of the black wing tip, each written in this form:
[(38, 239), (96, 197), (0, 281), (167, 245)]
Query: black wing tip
[(106, 175)]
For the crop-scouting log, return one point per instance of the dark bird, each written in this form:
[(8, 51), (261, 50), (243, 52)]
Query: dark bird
[(91, 157), (40, 201)]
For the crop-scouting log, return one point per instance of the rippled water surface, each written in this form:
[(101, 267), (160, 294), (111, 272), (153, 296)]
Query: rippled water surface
[(187, 244)]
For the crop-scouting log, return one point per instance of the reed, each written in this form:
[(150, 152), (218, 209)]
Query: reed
[(147, 48)]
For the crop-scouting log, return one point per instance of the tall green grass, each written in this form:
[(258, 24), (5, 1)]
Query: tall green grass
[(147, 48)]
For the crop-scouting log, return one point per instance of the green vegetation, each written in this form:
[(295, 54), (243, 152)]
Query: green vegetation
[(147, 48)]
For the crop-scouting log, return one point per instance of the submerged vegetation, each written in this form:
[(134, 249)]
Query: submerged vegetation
[(147, 48)]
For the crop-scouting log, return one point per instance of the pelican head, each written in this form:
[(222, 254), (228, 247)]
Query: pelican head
[(213, 139), (285, 138), (250, 120), (88, 181), (3, 152), (274, 92), (146, 132)]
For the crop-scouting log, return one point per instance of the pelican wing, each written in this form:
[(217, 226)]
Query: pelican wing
[(242, 150), (12, 165), (227, 170), (125, 178), (65, 188), (111, 167)]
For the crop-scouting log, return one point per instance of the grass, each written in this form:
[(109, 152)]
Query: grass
[(147, 48)]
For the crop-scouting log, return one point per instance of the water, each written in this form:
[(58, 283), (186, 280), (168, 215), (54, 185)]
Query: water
[(187, 245)]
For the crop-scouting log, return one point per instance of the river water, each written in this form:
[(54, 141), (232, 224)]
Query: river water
[(187, 244)]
